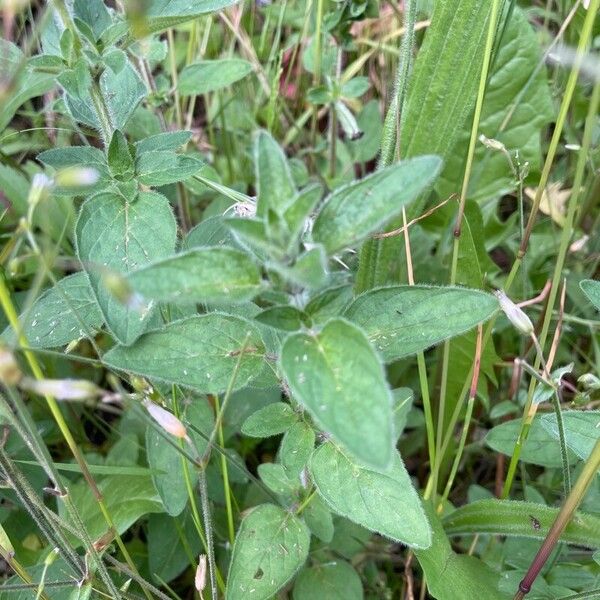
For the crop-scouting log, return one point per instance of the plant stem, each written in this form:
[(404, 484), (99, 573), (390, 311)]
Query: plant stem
[(563, 518), (566, 235), (225, 475), (13, 319)]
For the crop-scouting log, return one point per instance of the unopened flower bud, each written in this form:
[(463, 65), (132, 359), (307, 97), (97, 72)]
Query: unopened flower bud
[(63, 389), (74, 177), (200, 578), (119, 287), (491, 143), (10, 374), (514, 314), (168, 421), (589, 381), (40, 188)]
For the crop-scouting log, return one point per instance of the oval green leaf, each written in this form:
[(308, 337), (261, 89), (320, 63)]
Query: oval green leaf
[(118, 235), (386, 503), (211, 75), (335, 580), (200, 275), (270, 547), (338, 377), (351, 213), (403, 320), (199, 352)]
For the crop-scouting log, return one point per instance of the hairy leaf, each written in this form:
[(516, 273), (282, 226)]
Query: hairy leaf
[(63, 313), (200, 352), (338, 377), (351, 213), (200, 275), (275, 186), (335, 580), (211, 75), (403, 320), (591, 289), (270, 546), (520, 519), (384, 502), (116, 235)]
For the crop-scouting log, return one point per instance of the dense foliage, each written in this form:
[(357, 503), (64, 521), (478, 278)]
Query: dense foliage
[(300, 299)]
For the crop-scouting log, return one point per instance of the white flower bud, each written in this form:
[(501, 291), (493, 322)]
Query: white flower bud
[(62, 389), (77, 177), (514, 314), (491, 143), (168, 421), (200, 579), (40, 188)]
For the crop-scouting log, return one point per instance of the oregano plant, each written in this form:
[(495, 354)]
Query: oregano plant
[(275, 323)]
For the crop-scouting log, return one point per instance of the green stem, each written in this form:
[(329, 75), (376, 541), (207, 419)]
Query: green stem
[(13, 319), (566, 236), (588, 473), (225, 475)]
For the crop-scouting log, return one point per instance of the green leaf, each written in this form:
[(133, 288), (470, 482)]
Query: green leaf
[(63, 313), (168, 140), (591, 289), (121, 93), (338, 377), (270, 547), (386, 503), (296, 447), (120, 160), (159, 168), (403, 320), (270, 420), (170, 542), (163, 14), (515, 518), (284, 317), (403, 402), (353, 212), (78, 156), (200, 275), (275, 185), (212, 75), (167, 477), (582, 430), (126, 499), (541, 448), (319, 519), (451, 576), (276, 479), (200, 352), (335, 580), (299, 211), (114, 234), (27, 85), (94, 13), (210, 232), (518, 105)]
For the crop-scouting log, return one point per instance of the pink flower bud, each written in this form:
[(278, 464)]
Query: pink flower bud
[(168, 421)]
